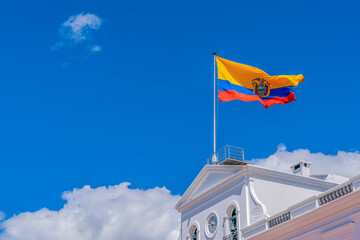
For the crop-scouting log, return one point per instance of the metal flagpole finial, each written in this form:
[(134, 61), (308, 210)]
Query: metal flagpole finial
[(214, 53)]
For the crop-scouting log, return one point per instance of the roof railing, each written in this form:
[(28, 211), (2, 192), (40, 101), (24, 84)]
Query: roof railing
[(227, 155)]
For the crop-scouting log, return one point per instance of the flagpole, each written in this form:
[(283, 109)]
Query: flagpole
[(214, 158)]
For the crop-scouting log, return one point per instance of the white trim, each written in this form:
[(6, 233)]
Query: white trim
[(247, 204), (201, 177), (232, 204), (256, 199), (203, 201), (244, 171)]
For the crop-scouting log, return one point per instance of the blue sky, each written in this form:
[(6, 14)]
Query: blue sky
[(133, 100)]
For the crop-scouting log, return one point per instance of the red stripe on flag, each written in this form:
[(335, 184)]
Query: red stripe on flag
[(279, 100), (225, 96)]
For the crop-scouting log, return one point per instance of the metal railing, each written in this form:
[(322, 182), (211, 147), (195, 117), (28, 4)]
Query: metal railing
[(232, 236), (228, 153)]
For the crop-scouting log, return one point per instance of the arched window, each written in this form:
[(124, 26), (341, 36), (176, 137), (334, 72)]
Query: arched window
[(194, 233), (233, 224)]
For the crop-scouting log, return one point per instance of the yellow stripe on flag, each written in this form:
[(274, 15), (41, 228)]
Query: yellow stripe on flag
[(242, 75)]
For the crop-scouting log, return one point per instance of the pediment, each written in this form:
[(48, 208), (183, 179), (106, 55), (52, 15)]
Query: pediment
[(209, 176)]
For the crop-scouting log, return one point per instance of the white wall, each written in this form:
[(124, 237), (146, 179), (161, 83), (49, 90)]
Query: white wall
[(277, 196)]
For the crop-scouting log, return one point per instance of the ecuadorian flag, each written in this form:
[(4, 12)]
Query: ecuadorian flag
[(242, 82)]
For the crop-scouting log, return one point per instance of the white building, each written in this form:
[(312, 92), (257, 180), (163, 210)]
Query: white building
[(235, 200)]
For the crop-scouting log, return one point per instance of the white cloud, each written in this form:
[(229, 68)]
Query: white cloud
[(343, 163), (116, 212), (96, 48), (78, 27)]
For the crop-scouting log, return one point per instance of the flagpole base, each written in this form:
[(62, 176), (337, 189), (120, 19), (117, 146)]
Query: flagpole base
[(214, 159)]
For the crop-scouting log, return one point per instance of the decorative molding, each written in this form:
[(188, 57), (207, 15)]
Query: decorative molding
[(256, 215), (247, 198), (259, 211), (244, 172), (235, 204), (203, 199), (201, 177), (289, 177)]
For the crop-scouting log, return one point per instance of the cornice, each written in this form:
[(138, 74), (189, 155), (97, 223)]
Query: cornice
[(201, 177), (205, 199), (290, 177), (216, 190), (247, 170)]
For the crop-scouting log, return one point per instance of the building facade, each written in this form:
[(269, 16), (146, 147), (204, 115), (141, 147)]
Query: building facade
[(228, 202)]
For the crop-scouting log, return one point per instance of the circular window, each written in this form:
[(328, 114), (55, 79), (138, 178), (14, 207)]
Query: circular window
[(211, 225)]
